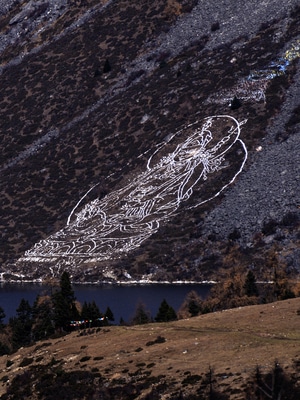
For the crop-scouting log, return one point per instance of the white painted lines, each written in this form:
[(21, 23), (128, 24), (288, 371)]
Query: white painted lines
[(111, 227)]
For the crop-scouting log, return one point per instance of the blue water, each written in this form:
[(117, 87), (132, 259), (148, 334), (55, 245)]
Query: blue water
[(121, 299)]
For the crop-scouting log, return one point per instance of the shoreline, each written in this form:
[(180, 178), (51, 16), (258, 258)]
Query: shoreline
[(108, 283)]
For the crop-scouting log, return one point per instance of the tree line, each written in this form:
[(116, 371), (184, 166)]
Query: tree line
[(237, 289), (50, 315), (60, 313)]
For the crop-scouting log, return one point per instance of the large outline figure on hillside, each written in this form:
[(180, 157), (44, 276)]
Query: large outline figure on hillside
[(107, 228)]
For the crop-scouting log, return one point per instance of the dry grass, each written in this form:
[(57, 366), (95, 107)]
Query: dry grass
[(232, 342)]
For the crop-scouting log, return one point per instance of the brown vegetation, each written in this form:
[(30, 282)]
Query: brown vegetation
[(231, 353)]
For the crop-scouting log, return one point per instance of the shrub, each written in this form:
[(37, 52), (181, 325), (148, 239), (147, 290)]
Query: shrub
[(191, 380), (235, 103), (215, 26), (269, 227), (4, 349), (159, 339), (26, 361), (20, 387), (142, 364), (290, 219), (9, 363), (234, 235), (46, 344), (53, 361), (85, 358)]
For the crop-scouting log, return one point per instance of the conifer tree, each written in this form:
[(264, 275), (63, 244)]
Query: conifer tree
[(95, 312), (42, 318), (250, 286), (109, 316), (141, 316), (282, 286), (24, 311), (90, 312), (165, 313), (106, 67), (21, 325), (274, 385), (85, 311), (66, 288), (2, 317), (194, 308), (64, 304), (192, 305)]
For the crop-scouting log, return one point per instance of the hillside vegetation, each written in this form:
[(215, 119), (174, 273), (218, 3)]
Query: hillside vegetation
[(233, 354), (206, 350), (148, 140)]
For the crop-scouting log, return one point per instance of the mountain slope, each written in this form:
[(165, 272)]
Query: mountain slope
[(92, 92)]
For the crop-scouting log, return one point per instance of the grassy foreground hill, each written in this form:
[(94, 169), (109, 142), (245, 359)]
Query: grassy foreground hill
[(231, 355)]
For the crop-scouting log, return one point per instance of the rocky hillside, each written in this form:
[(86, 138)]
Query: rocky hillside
[(148, 140)]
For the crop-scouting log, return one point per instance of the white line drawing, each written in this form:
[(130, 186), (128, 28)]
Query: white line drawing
[(111, 227)]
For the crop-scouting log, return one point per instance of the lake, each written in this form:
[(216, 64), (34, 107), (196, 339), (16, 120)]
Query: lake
[(121, 299)]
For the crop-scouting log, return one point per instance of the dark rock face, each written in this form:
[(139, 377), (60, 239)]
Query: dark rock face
[(89, 90)]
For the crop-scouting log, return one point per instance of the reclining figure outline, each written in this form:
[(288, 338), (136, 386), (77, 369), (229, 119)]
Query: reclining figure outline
[(122, 220)]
